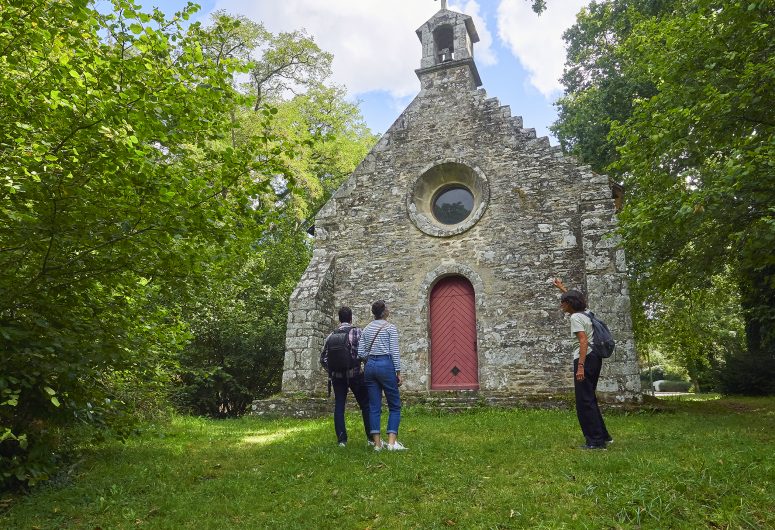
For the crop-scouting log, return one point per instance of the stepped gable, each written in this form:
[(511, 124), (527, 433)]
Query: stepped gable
[(459, 190)]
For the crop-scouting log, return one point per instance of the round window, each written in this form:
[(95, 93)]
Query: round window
[(448, 198), (453, 204)]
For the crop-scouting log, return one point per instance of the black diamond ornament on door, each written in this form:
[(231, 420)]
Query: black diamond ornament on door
[(455, 371)]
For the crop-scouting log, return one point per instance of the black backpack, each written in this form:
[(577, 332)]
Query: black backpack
[(341, 356), (603, 344)]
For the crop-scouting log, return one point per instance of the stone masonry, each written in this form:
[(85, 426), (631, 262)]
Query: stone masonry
[(536, 215)]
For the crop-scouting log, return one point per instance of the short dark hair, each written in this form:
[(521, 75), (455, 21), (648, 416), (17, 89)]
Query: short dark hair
[(575, 299), (345, 314), (378, 308)]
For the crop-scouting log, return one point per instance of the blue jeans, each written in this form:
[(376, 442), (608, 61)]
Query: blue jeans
[(381, 377), (358, 387)]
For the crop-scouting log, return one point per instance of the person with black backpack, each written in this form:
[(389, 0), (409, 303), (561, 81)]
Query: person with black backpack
[(340, 359), (594, 344)]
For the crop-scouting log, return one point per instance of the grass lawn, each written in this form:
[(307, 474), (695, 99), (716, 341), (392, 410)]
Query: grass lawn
[(704, 465)]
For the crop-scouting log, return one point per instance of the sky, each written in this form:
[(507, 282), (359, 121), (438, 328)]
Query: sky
[(520, 55)]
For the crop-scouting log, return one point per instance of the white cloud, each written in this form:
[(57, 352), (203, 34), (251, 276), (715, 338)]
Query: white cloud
[(374, 42), (536, 41)]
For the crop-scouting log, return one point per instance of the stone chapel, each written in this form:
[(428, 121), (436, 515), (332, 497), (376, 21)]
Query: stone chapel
[(459, 218)]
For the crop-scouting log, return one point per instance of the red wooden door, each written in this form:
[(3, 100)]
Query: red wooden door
[(454, 362)]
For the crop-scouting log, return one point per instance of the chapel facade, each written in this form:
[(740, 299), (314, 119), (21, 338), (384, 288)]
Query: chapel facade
[(459, 218)]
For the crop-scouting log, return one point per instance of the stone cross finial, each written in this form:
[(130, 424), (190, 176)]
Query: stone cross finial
[(444, 4)]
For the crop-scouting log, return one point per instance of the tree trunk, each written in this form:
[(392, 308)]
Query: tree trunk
[(753, 372), (757, 298)]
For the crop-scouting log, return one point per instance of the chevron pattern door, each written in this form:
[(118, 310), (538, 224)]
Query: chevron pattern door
[(454, 361)]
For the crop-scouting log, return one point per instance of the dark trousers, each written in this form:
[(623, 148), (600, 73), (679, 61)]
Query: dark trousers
[(358, 388), (587, 409)]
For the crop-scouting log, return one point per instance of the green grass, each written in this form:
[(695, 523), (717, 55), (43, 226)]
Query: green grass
[(706, 464)]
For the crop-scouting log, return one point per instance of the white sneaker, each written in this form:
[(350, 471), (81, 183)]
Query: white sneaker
[(397, 446), (379, 447), (370, 443), (342, 444)]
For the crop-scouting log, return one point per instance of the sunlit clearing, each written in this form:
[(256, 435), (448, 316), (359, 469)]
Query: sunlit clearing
[(271, 437)]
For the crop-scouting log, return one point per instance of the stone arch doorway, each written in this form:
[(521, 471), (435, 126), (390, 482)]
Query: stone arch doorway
[(454, 360)]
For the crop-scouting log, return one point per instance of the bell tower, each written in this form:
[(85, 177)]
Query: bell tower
[(448, 39)]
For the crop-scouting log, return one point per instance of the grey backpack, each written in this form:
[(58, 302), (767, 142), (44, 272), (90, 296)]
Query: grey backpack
[(603, 344)]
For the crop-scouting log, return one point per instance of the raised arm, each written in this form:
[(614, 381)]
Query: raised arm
[(561, 286)]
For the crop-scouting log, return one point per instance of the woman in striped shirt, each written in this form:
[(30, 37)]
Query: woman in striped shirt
[(379, 346)]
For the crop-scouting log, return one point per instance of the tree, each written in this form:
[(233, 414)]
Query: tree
[(117, 192), (699, 339), (698, 157), (238, 321), (231, 37), (598, 91), (672, 97), (288, 62), (238, 328), (332, 138)]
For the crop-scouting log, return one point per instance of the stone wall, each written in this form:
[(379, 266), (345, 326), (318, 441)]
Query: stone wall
[(311, 316), (545, 216)]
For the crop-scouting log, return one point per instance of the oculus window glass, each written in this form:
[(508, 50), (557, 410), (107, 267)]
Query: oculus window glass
[(453, 204)]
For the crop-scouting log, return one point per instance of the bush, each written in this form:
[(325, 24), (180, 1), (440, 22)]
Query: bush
[(664, 385), (661, 372), (239, 329), (746, 374), (228, 389)]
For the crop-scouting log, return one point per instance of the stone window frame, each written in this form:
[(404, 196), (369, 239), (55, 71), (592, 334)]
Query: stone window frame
[(423, 188)]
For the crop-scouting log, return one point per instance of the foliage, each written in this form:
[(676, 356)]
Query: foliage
[(709, 464), (684, 89), (539, 6), (232, 37), (699, 156), (239, 330), (598, 91), (698, 326), (746, 374), (332, 139), (289, 62), (117, 195), (661, 372)]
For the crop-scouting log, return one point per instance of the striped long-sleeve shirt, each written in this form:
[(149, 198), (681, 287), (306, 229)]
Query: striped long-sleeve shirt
[(386, 342)]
